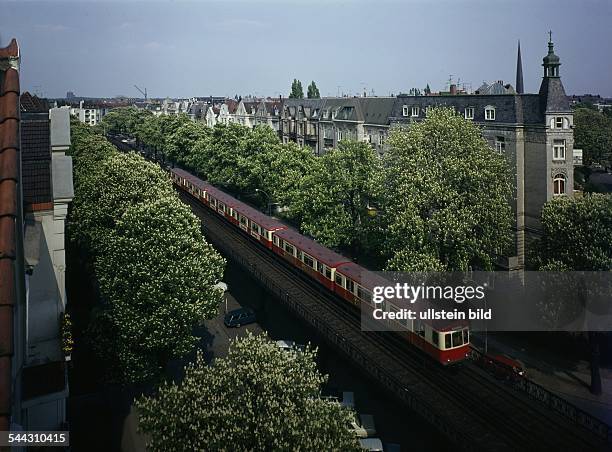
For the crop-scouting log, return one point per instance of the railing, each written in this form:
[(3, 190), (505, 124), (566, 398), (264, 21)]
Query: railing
[(559, 404)]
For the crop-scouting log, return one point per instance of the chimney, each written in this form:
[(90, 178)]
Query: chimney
[(453, 89)]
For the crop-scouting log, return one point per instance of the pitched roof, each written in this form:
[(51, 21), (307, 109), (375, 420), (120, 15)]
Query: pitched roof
[(33, 104), (9, 154)]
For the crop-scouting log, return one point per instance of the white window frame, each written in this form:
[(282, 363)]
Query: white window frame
[(559, 150), (469, 113), (414, 112), (561, 181), (559, 119), (489, 113), (500, 145), (405, 110)]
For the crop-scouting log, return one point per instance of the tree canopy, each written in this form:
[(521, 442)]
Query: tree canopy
[(257, 398), (447, 195), (577, 233), (593, 134), (297, 92), (333, 198), (313, 91)]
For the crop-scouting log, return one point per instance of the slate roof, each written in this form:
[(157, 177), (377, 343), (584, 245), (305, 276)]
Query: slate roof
[(368, 110), (553, 97), (9, 155), (509, 108), (35, 153)]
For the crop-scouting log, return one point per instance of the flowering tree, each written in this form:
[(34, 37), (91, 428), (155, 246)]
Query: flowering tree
[(156, 278), (257, 398), (447, 195)]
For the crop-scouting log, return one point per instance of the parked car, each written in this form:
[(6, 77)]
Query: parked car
[(363, 425), (239, 317), (290, 345), (371, 444)]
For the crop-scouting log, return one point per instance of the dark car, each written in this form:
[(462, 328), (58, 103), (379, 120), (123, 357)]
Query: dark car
[(238, 317)]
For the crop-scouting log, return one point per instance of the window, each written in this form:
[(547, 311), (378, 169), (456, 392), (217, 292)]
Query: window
[(276, 240), (500, 144), (466, 336), (434, 338), (489, 113), (340, 135), (339, 280), (350, 285), (559, 185), (328, 272), (364, 294), (289, 249), (309, 261), (447, 340), (559, 122), (381, 138), (469, 113), (405, 110), (457, 338), (558, 149), (415, 112)]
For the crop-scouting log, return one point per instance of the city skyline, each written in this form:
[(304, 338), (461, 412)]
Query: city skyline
[(183, 49)]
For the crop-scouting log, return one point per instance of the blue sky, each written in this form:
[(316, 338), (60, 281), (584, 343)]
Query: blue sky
[(199, 48)]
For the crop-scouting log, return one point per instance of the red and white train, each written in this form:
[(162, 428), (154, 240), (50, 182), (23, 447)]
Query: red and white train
[(448, 344)]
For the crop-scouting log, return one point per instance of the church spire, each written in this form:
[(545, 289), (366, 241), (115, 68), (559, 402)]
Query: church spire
[(519, 71)]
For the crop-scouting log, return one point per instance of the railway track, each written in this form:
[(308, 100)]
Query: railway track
[(466, 404)]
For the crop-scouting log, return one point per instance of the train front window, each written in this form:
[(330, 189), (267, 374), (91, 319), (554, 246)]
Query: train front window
[(466, 336), (434, 338), (447, 340), (457, 338)]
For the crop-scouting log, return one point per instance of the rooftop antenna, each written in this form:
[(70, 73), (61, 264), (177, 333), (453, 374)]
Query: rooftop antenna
[(144, 93)]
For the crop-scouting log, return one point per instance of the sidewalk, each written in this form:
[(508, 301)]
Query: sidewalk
[(570, 379)]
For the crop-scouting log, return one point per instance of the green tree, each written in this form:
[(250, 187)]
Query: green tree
[(280, 172), (227, 157), (257, 398), (577, 233), (313, 91), (104, 193), (447, 195), (156, 276), (182, 140), (593, 134), (124, 120), (333, 200), (296, 90)]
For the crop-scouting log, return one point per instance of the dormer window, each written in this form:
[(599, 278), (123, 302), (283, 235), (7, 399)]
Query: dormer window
[(405, 110), (415, 112), (489, 113), (469, 113)]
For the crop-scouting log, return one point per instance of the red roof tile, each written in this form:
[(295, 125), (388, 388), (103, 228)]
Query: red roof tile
[(9, 147)]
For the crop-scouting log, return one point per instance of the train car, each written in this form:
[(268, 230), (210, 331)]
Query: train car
[(259, 226), (314, 259), (222, 203), (189, 183), (446, 341)]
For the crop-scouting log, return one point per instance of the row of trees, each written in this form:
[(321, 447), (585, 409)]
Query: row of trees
[(128, 222), (440, 196), (297, 92)]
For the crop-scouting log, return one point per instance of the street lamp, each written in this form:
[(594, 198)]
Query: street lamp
[(268, 197)]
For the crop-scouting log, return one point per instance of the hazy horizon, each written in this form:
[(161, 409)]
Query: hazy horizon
[(201, 48)]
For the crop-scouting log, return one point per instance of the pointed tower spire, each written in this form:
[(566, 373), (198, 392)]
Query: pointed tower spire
[(519, 71)]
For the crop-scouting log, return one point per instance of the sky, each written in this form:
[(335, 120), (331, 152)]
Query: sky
[(102, 48)]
